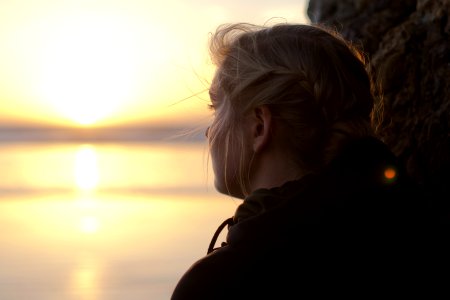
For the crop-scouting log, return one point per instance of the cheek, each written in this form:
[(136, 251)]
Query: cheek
[(218, 153), (225, 163), (218, 157), (214, 156), (217, 142)]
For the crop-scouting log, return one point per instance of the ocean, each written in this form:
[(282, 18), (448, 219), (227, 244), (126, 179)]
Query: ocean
[(104, 220)]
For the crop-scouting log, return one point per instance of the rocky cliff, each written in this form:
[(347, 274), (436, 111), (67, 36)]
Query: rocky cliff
[(408, 44)]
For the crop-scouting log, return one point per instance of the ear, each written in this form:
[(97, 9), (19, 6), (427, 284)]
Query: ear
[(261, 127)]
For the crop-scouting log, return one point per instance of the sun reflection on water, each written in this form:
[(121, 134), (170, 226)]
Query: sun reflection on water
[(87, 176), (86, 278), (86, 169), (86, 203), (92, 230), (89, 224)]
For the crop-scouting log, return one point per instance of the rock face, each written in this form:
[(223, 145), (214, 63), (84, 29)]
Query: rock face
[(408, 44)]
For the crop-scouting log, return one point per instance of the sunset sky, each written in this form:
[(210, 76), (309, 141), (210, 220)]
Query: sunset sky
[(115, 62)]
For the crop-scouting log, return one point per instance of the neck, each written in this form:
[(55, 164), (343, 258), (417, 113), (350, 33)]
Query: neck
[(272, 169)]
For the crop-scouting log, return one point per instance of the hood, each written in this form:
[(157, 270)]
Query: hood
[(364, 185)]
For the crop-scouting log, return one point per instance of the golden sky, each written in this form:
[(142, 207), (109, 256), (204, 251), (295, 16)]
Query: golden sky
[(113, 62)]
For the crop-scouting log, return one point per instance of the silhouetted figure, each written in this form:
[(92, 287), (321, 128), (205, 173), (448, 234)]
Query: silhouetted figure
[(326, 205)]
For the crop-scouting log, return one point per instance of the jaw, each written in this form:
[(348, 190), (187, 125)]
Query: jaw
[(233, 189)]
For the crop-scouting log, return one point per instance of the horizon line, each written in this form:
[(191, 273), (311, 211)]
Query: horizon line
[(101, 134)]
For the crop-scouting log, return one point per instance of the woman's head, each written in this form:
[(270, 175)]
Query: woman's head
[(312, 81)]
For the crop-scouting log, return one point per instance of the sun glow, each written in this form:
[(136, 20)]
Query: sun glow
[(88, 67), (101, 63)]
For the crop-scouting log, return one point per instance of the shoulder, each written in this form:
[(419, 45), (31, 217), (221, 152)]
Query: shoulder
[(212, 273), (253, 271)]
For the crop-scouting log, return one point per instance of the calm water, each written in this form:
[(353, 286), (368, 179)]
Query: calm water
[(106, 221)]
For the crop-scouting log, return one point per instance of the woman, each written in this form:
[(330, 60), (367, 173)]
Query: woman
[(293, 135)]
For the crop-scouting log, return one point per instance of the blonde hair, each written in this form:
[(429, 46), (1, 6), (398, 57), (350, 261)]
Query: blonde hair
[(314, 82)]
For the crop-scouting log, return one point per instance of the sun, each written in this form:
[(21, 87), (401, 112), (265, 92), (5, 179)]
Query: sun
[(88, 67)]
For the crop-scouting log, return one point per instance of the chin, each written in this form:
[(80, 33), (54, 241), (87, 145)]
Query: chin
[(221, 187), (232, 190)]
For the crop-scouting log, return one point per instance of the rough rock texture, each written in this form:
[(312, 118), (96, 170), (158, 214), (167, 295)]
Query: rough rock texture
[(408, 44)]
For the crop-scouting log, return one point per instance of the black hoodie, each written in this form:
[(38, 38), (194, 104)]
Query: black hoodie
[(327, 234)]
